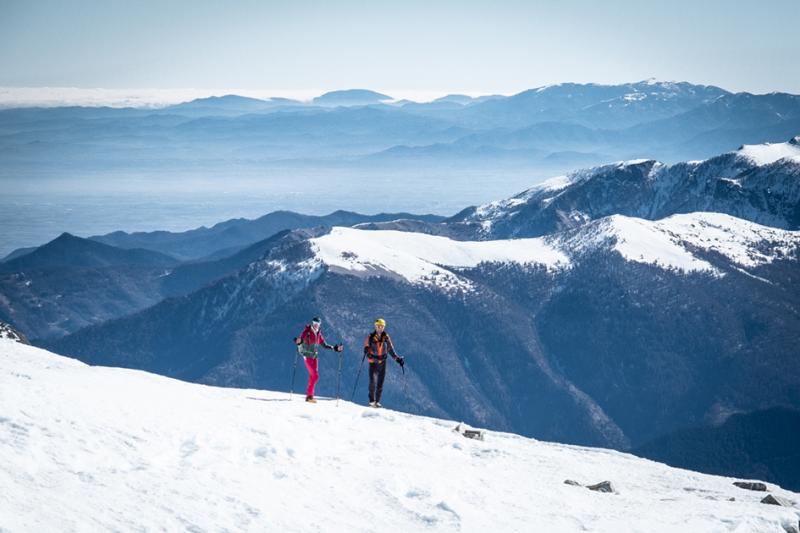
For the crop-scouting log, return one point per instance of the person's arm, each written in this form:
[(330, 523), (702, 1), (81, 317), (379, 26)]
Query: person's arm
[(397, 358), (366, 345), (323, 343), (390, 347)]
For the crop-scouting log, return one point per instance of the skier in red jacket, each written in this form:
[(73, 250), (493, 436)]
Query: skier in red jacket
[(309, 342)]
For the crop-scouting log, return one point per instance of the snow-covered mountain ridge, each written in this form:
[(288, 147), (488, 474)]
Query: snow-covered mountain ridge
[(421, 258), (673, 242), (676, 241), (92, 448), (760, 183), (767, 153)]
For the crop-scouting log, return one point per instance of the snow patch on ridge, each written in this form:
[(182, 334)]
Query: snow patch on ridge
[(671, 243), (635, 240), (664, 242), (425, 259), (767, 153), (553, 184), (488, 213)]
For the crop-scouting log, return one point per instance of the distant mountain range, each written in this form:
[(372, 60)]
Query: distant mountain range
[(350, 97), (227, 237), (550, 129), (73, 282), (756, 182)]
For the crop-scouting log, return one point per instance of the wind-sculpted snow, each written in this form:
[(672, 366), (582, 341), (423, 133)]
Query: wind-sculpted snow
[(102, 449)]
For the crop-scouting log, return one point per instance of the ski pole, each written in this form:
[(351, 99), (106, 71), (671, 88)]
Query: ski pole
[(358, 376), (338, 379), (405, 382), (294, 371)]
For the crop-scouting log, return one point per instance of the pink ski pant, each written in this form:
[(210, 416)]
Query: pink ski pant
[(313, 375)]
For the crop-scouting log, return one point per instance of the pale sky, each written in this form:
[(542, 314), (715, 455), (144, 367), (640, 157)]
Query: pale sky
[(154, 49)]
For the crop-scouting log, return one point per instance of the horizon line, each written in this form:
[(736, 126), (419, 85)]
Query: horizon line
[(49, 96)]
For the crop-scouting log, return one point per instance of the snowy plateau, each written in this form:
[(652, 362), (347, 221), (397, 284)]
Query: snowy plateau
[(86, 448)]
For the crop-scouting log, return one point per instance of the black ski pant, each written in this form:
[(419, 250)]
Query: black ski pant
[(377, 371)]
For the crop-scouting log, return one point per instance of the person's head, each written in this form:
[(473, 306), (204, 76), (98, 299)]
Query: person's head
[(380, 325), (316, 323)]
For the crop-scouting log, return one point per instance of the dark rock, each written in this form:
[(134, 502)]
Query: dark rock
[(751, 485), (7, 332), (603, 486), (771, 499), (473, 434), (791, 528), (572, 482), (469, 433)]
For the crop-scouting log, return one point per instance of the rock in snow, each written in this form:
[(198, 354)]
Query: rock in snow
[(99, 449), (771, 499), (751, 485), (7, 332), (603, 486)]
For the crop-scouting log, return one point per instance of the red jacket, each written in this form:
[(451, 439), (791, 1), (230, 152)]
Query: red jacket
[(311, 341)]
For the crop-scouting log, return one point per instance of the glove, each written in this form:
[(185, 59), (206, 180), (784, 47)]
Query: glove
[(338, 348), (298, 341), (400, 361)]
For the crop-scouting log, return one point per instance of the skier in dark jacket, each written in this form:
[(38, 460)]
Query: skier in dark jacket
[(376, 346), (308, 345)]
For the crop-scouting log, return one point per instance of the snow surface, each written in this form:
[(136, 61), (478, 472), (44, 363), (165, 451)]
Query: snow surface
[(421, 258), (670, 243), (556, 183), (488, 211), (634, 97), (767, 153), (101, 449), (631, 162), (664, 242)]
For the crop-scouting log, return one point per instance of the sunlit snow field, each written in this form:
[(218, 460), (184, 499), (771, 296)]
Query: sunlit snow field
[(100, 449)]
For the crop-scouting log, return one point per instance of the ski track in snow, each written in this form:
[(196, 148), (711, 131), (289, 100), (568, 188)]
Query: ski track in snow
[(99, 449)]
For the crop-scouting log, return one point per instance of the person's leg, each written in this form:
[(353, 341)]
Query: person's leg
[(313, 375), (379, 387), (373, 372)]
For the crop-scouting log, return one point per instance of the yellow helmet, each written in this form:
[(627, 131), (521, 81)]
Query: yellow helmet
[(380, 322)]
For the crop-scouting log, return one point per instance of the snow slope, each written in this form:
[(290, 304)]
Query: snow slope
[(100, 449), (672, 243), (421, 258), (767, 153)]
